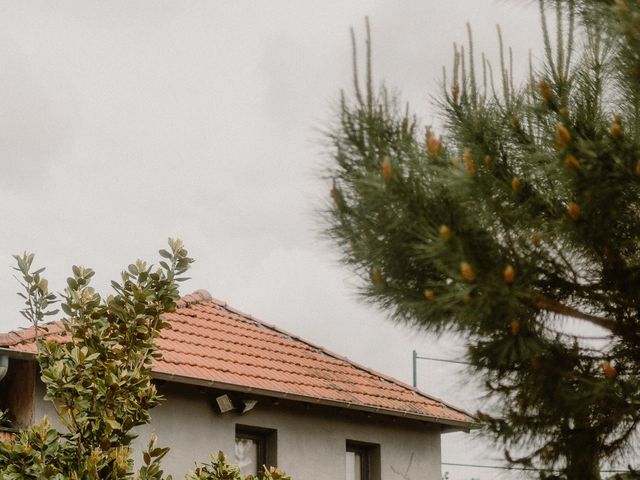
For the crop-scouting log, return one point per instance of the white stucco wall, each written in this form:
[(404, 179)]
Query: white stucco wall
[(311, 442)]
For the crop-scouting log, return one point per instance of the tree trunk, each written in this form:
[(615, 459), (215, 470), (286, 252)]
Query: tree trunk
[(583, 462)]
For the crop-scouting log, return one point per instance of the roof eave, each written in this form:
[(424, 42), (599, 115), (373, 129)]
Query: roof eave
[(17, 354), (450, 424)]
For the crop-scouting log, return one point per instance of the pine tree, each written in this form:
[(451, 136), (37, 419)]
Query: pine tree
[(520, 217)]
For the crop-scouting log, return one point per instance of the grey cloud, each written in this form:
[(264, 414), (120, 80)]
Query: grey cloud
[(201, 119)]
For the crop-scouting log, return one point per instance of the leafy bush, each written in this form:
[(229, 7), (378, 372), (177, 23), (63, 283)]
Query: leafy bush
[(219, 469)]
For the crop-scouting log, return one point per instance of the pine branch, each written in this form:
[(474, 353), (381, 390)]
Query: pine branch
[(530, 191), (545, 303)]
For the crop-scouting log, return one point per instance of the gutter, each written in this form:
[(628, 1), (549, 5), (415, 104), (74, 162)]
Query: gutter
[(9, 353), (448, 424)]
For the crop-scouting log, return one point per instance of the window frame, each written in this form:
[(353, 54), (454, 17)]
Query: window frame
[(266, 444), (369, 458), (17, 393)]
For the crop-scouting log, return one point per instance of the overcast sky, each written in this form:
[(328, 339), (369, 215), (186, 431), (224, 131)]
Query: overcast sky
[(125, 122)]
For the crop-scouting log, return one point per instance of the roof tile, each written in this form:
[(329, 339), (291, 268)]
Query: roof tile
[(211, 342)]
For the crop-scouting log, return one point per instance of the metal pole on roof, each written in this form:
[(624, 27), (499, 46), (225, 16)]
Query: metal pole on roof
[(415, 357), (415, 368)]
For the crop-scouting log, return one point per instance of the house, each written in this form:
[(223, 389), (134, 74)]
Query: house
[(264, 396)]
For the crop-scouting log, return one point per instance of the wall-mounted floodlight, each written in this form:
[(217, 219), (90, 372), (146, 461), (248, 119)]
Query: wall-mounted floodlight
[(248, 404), (224, 403)]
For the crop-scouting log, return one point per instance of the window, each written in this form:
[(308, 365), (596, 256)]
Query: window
[(254, 448), (362, 461), (17, 392)]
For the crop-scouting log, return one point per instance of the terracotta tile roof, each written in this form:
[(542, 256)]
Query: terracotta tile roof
[(210, 343)]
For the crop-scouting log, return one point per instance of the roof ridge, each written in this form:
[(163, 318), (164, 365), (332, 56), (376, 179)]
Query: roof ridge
[(329, 353), (194, 298), (27, 334)]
